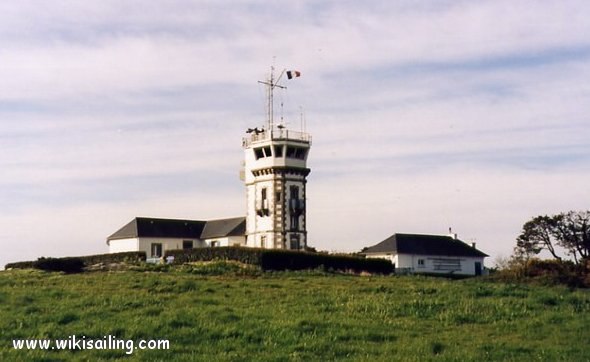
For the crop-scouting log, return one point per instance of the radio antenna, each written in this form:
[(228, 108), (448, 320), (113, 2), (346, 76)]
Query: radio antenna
[(271, 84)]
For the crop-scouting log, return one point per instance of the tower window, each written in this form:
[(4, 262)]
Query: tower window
[(290, 152), (294, 190), (258, 153), (296, 152), (300, 153), (295, 207), (294, 222), (267, 152), (262, 241), (278, 151), (262, 208), (294, 241)]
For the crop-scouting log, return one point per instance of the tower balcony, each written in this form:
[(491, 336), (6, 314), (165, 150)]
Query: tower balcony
[(278, 134)]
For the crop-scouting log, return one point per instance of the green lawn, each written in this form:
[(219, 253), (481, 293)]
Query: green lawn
[(293, 316)]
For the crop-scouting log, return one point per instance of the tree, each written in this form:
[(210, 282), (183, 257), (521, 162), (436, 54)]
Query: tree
[(536, 235), (572, 231), (569, 232)]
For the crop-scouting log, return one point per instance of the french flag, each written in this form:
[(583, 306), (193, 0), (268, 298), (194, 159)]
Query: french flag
[(293, 74)]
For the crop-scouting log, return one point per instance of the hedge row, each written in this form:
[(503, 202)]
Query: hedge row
[(243, 255), (67, 265), (125, 257), (294, 260), (77, 263), (20, 265), (283, 259)]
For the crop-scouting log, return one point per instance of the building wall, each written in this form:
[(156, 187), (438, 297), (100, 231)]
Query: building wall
[(145, 244), (123, 245), (226, 241), (435, 264)]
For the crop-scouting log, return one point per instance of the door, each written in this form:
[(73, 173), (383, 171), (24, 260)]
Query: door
[(477, 268), (156, 250)]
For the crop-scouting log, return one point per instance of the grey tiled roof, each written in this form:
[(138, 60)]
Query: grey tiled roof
[(424, 245), (162, 228), (224, 227), (177, 228)]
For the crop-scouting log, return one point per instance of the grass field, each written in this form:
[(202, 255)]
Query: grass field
[(221, 312)]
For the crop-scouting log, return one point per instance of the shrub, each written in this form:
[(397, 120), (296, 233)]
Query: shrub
[(283, 259), (243, 255), (125, 257), (48, 263), (66, 265), (548, 272), (20, 265), (295, 260)]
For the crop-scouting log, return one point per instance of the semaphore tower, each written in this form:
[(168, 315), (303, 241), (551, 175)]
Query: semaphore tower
[(275, 172)]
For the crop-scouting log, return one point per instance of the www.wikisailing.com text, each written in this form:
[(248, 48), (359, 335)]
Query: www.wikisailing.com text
[(83, 343)]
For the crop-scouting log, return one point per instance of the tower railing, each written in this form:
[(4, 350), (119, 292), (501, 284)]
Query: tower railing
[(277, 134)]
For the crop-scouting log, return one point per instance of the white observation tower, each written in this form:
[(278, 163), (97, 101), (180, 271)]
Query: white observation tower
[(275, 171)]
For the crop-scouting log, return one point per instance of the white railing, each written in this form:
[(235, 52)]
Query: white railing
[(277, 134)]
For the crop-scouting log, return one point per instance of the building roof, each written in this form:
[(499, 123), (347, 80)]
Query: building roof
[(424, 245), (160, 228), (176, 228), (224, 227)]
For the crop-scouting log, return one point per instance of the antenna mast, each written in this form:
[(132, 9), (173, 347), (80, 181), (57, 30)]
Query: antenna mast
[(271, 83)]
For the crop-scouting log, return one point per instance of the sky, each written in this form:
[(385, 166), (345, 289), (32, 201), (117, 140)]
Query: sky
[(424, 115)]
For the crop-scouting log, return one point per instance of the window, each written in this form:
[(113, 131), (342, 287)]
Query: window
[(278, 151), (421, 263), (258, 153), (156, 250), (214, 243), (295, 207), (294, 191), (296, 152), (446, 264), (187, 244), (267, 152), (263, 195), (278, 197), (300, 153), (262, 241), (262, 208), (294, 241), (290, 152), (294, 221)]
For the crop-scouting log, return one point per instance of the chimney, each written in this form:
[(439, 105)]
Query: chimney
[(473, 245), (452, 235)]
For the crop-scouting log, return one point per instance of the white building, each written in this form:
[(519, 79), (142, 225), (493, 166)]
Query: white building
[(275, 176), (436, 254), (275, 171), (156, 236)]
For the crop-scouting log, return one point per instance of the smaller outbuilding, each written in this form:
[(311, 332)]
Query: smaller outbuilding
[(155, 236), (429, 254)]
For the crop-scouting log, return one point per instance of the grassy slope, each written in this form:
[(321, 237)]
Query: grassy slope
[(294, 316)]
